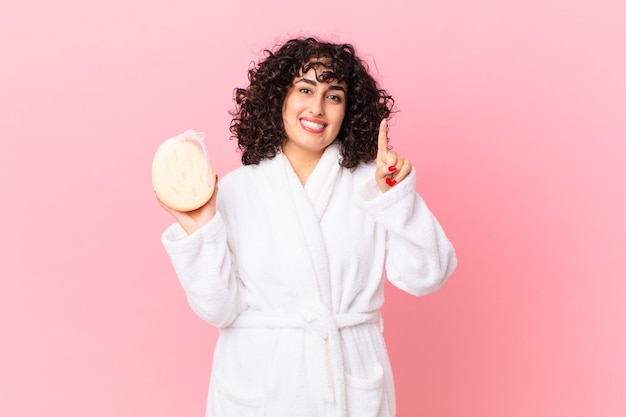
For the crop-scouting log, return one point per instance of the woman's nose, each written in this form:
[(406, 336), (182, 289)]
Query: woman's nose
[(317, 105)]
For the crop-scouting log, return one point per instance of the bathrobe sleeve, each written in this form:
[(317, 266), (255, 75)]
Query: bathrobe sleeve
[(419, 256), (203, 264)]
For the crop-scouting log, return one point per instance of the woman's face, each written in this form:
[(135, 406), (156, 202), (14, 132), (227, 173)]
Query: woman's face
[(313, 112)]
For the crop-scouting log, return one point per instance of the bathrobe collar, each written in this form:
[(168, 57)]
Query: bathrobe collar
[(307, 206)]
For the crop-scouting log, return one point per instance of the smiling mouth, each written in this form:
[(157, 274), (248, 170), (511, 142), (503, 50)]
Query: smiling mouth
[(312, 125)]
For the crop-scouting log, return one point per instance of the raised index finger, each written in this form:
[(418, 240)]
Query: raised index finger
[(382, 139)]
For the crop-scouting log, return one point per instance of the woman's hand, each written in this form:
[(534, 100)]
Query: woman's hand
[(191, 221), (391, 168)]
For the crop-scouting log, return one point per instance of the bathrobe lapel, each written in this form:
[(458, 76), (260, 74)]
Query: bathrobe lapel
[(321, 183), (305, 207)]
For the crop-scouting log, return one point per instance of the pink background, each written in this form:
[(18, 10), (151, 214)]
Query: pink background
[(513, 113)]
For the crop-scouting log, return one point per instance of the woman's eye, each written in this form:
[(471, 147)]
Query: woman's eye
[(305, 91), (334, 98)]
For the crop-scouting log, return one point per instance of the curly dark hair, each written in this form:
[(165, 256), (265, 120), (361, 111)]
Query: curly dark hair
[(257, 122)]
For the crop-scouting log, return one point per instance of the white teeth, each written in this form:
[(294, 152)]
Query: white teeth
[(312, 125)]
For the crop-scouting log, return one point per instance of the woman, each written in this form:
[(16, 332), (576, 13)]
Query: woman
[(288, 262)]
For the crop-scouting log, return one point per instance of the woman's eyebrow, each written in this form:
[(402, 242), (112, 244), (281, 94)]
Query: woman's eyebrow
[(315, 83), (337, 87), (306, 81)]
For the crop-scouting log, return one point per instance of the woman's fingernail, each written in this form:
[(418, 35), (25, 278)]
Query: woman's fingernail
[(392, 168)]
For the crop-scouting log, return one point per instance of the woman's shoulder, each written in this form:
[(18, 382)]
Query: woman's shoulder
[(363, 170), (239, 175), (239, 172), (234, 188), (243, 178)]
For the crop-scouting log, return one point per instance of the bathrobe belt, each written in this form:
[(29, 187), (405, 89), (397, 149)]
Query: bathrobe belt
[(324, 324)]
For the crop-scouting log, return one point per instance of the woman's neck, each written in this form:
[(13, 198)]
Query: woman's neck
[(302, 161)]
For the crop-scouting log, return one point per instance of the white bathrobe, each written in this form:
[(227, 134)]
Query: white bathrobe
[(293, 278)]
